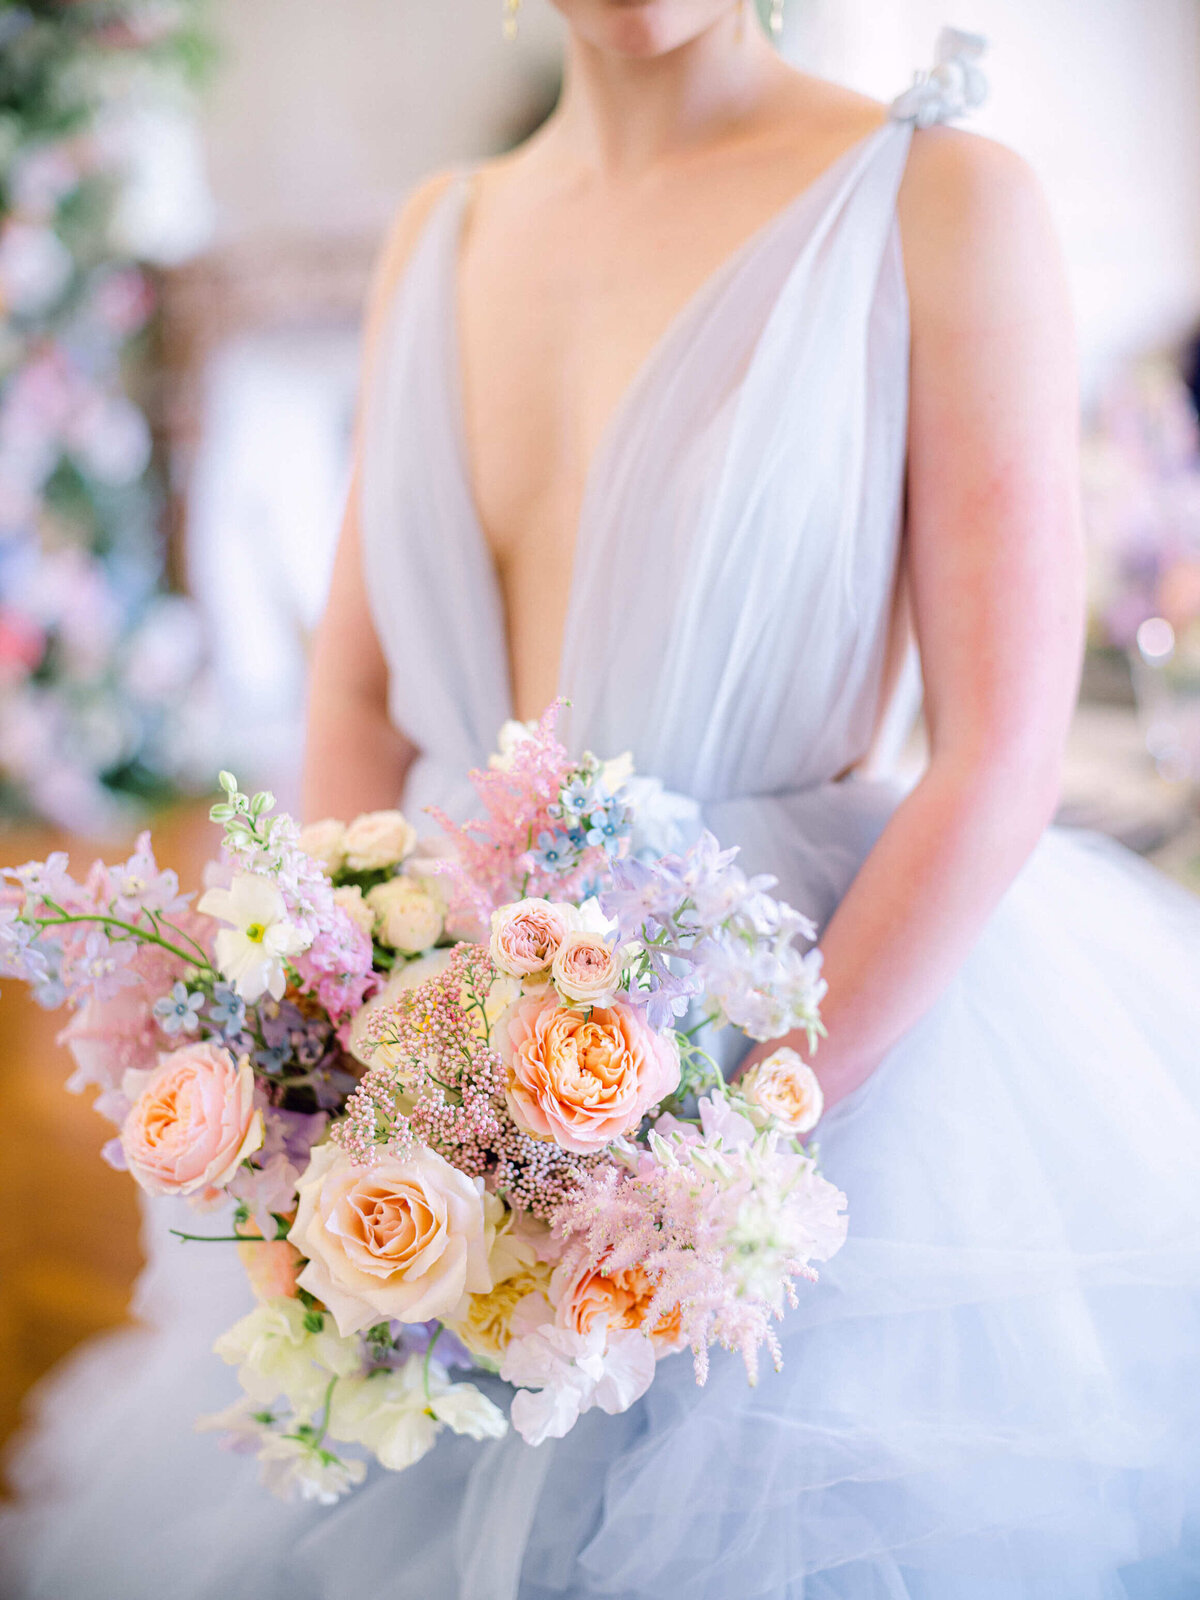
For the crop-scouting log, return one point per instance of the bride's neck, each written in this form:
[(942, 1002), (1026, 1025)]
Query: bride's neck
[(620, 115)]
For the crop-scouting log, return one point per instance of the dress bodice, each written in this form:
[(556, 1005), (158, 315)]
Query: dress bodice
[(739, 540)]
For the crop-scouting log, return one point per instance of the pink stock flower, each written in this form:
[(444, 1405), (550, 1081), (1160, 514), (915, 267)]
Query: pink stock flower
[(193, 1122), (583, 1079)]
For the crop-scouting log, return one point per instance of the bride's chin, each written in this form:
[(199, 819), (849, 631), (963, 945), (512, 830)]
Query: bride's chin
[(642, 29)]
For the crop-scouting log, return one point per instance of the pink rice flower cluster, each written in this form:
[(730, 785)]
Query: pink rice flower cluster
[(722, 1219), (495, 859), (440, 1057), (443, 1085)]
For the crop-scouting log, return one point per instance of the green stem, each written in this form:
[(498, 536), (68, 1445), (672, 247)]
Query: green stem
[(224, 1238), (65, 917), (158, 922), (429, 1358), (329, 1388)]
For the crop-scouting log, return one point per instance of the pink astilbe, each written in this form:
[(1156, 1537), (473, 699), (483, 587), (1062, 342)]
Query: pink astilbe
[(723, 1221), (493, 857)]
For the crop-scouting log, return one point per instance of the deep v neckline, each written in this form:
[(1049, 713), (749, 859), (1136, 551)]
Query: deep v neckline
[(452, 371)]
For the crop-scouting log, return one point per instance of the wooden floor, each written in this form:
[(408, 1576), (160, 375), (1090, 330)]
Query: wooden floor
[(68, 1246)]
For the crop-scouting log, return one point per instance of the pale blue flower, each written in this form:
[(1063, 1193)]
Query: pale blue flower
[(179, 1011)]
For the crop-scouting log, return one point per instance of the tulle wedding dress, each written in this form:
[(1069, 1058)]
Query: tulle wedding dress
[(994, 1392)]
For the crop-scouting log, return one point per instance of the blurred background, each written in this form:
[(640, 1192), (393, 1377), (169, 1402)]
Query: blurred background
[(191, 195)]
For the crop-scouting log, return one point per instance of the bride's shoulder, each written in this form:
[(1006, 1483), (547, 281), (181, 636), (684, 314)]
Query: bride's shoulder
[(974, 222), (406, 228)]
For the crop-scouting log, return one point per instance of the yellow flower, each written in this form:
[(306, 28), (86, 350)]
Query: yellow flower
[(485, 1324)]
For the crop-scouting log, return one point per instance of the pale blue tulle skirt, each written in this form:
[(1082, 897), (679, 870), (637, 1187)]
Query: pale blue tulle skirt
[(993, 1393)]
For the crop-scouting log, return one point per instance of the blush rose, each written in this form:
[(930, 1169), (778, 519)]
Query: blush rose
[(526, 935), (193, 1120), (586, 969)]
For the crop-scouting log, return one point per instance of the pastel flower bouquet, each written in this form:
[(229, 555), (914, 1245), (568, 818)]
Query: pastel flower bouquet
[(455, 1093)]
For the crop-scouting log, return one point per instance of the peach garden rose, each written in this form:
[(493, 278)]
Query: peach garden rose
[(193, 1121), (583, 1079), (402, 1239), (584, 1297)]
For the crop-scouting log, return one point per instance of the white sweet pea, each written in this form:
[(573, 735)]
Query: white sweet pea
[(252, 949), (387, 1412), (466, 1409), (276, 1354), (562, 1373), (294, 1469)]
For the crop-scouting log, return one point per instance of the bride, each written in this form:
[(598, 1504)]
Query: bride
[(707, 408)]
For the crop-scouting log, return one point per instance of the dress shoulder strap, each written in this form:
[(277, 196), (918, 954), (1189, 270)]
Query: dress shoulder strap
[(954, 86)]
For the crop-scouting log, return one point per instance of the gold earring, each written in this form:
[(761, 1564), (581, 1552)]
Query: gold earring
[(777, 17), (511, 9)]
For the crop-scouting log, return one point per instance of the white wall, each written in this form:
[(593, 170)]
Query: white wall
[(1103, 97), (324, 112)]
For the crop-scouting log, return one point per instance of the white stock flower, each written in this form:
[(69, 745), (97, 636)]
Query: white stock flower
[(251, 951), (276, 1354), (296, 1469)]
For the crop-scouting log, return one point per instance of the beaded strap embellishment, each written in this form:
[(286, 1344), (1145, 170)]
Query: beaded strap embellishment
[(954, 86)]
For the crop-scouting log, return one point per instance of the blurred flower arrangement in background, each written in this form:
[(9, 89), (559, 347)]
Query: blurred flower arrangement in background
[(100, 182), (1142, 497)]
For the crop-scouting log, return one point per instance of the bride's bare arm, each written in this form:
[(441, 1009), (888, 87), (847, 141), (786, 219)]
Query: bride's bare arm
[(355, 759), (994, 558)]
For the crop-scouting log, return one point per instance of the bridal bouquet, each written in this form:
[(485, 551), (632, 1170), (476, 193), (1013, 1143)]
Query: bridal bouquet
[(455, 1094)]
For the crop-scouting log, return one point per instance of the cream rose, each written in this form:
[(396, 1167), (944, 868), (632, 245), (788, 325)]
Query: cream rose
[(583, 1081), (787, 1088), (407, 916), (526, 935), (349, 898), (193, 1120), (399, 1239), (324, 841), (586, 969), (378, 839)]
